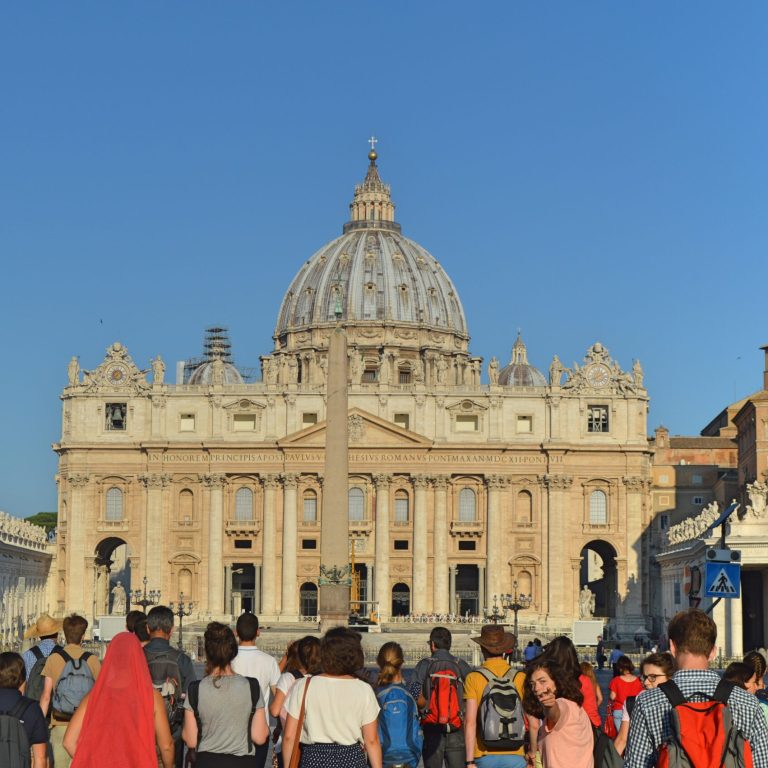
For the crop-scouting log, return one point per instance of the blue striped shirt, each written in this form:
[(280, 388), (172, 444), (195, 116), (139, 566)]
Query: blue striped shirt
[(45, 646)]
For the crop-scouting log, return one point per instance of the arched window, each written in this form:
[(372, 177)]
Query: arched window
[(244, 504), (310, 506), (524, 507), (308, 599), (467, 505), (356, 500), (401, 507), (114, 510), (401, 599), (186, 507), (598, 508)]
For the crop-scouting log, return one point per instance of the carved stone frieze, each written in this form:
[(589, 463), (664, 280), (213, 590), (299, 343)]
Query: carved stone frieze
[(356, 427)]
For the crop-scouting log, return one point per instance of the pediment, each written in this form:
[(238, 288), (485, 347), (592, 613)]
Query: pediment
[(244, 404), (365, 429), (466, 405)]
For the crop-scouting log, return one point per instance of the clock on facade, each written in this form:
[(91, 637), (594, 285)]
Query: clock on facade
[(117, 374), (598, 375)]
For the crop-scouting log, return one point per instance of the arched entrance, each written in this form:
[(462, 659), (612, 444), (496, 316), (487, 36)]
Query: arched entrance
[(111, 565), (598, 572), (308, 599), (401, 599)]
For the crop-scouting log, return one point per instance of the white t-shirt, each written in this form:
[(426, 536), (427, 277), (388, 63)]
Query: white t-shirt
[(251, 662), (336, 709)]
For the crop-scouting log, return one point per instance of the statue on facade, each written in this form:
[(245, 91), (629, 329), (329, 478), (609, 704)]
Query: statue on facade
[(217, 371), (158, 370), (442, 369), (293, 369), (118, 600), (758, 499), (73, 371), (355, 367), (493, 372), (586, 603), (555, 372), (637, 374)]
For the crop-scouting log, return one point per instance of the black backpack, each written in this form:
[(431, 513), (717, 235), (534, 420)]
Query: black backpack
[(193, 695), (14, 743), (35, 681), (166, 678)]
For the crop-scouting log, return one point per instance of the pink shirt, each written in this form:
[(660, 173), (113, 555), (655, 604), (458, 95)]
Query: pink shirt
[(569, 744)]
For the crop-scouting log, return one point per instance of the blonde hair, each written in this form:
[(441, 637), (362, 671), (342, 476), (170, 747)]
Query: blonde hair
[(588, 670), (390, 659)]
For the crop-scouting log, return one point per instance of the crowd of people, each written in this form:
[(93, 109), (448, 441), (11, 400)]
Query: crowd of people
[(318, 707)]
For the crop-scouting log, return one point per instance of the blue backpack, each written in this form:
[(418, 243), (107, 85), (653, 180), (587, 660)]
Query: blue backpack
[(399, 729)]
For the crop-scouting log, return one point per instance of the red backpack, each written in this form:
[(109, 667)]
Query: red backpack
[(444, 692), (703, 733)]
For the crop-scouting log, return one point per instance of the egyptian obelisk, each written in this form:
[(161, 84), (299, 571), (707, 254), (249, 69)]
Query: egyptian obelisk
[(335, 577)]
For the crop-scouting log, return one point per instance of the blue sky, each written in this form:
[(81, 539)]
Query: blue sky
[(583, 171)]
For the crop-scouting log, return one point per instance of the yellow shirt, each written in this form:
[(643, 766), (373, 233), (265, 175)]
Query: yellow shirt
[(55, 664), (474, 686)]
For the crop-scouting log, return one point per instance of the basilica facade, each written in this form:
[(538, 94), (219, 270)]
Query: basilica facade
[(464, 485)]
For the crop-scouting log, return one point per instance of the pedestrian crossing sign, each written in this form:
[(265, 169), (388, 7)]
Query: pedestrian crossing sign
[(723, 580)]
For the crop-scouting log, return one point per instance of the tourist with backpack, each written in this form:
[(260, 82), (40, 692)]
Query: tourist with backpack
[(698, 702), (224, 718), (122, 721), (438, 683), (23, 730), (171, 671), (494, 727), (399, 729), (47, 629), (70, 673)]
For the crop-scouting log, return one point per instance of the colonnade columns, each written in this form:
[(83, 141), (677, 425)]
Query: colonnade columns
[(383, 595), (155, 527), (636, 488), (75, 599), (268, 578), (557, 488), (441, 600), (419, 590), (216, 484), (493, 536), (290, 597)]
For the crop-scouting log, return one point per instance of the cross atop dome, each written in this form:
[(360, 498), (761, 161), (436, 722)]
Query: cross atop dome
[(372, 206)]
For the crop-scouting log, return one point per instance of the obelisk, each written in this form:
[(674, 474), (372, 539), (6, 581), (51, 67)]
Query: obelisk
[(335, 576)]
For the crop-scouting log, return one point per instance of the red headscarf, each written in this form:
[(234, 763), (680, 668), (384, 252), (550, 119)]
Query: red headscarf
[(119, 728)]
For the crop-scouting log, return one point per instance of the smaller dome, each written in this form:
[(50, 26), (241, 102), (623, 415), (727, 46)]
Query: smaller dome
[(217, 366), (204, 374), (519, 372)]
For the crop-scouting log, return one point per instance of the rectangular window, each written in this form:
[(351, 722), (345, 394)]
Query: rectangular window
[(467, 546), (597, 418), (404, 377), (524, 425), (309, 543), (466, 423), (116, 416), (696, 479), (308, 419), (370, 376), (187, 422), (698, 500), (244, 422), (243, 544), (401, 543), (401, 507), (402, 420), (663, 522), (677, 593)]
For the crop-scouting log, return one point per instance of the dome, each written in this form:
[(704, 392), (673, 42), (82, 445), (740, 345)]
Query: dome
[(204, 374), (217, 366), (372, 274), (519, 372)]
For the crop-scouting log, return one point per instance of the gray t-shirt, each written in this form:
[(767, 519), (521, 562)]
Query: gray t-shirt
[(225, 708)]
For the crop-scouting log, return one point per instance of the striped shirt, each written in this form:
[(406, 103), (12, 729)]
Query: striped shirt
[(650, 725), (45, 646)]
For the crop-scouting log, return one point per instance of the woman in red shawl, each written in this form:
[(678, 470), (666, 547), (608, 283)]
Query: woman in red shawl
[(123, 716)]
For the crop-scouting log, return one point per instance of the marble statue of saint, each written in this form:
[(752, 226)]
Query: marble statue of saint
[(442, 369), (118, 600), (555, 371), (73, 370), (217, 371), (586, 603), (158, 370), (355, 367), (637, 374), (493, 371)]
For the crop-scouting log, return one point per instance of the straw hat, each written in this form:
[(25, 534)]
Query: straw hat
[(495, 639), (45, 625)]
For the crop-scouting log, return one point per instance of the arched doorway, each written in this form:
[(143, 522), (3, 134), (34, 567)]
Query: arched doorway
[(598, 572), (112, 565), (401, 599), (308, 599)]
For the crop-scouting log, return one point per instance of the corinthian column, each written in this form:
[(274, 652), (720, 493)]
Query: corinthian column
[(441, 599), (290, 601), (76, 554), (419, 591), (216, 484), (382, 544), (154, 527), (268, 580), (559, 593), (493, 537)]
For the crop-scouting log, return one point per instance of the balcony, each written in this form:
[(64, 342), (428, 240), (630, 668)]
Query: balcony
[(467, 528), (112, 526), (242, 527), (309, 524), (360, 527)]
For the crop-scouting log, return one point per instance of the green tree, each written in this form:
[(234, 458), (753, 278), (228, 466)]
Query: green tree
[(45, 519)]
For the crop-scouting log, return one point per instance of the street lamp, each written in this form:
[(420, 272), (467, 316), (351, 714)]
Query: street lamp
[(181, 610), (515, 603), (494, 616), (144, 598)]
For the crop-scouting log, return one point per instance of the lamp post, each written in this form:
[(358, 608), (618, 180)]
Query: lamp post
[(494, 616), (515, 603), (144, 598), (181, 610)]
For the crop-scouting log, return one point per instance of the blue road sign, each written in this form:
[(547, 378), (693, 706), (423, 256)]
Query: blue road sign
[(722, 580)]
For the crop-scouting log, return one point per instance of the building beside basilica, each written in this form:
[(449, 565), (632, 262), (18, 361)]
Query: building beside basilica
[(458, 489)]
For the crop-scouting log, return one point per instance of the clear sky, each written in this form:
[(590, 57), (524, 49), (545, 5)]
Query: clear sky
[(583, 171)]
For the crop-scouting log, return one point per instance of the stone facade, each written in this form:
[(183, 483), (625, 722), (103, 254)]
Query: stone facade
[(457, 489)]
